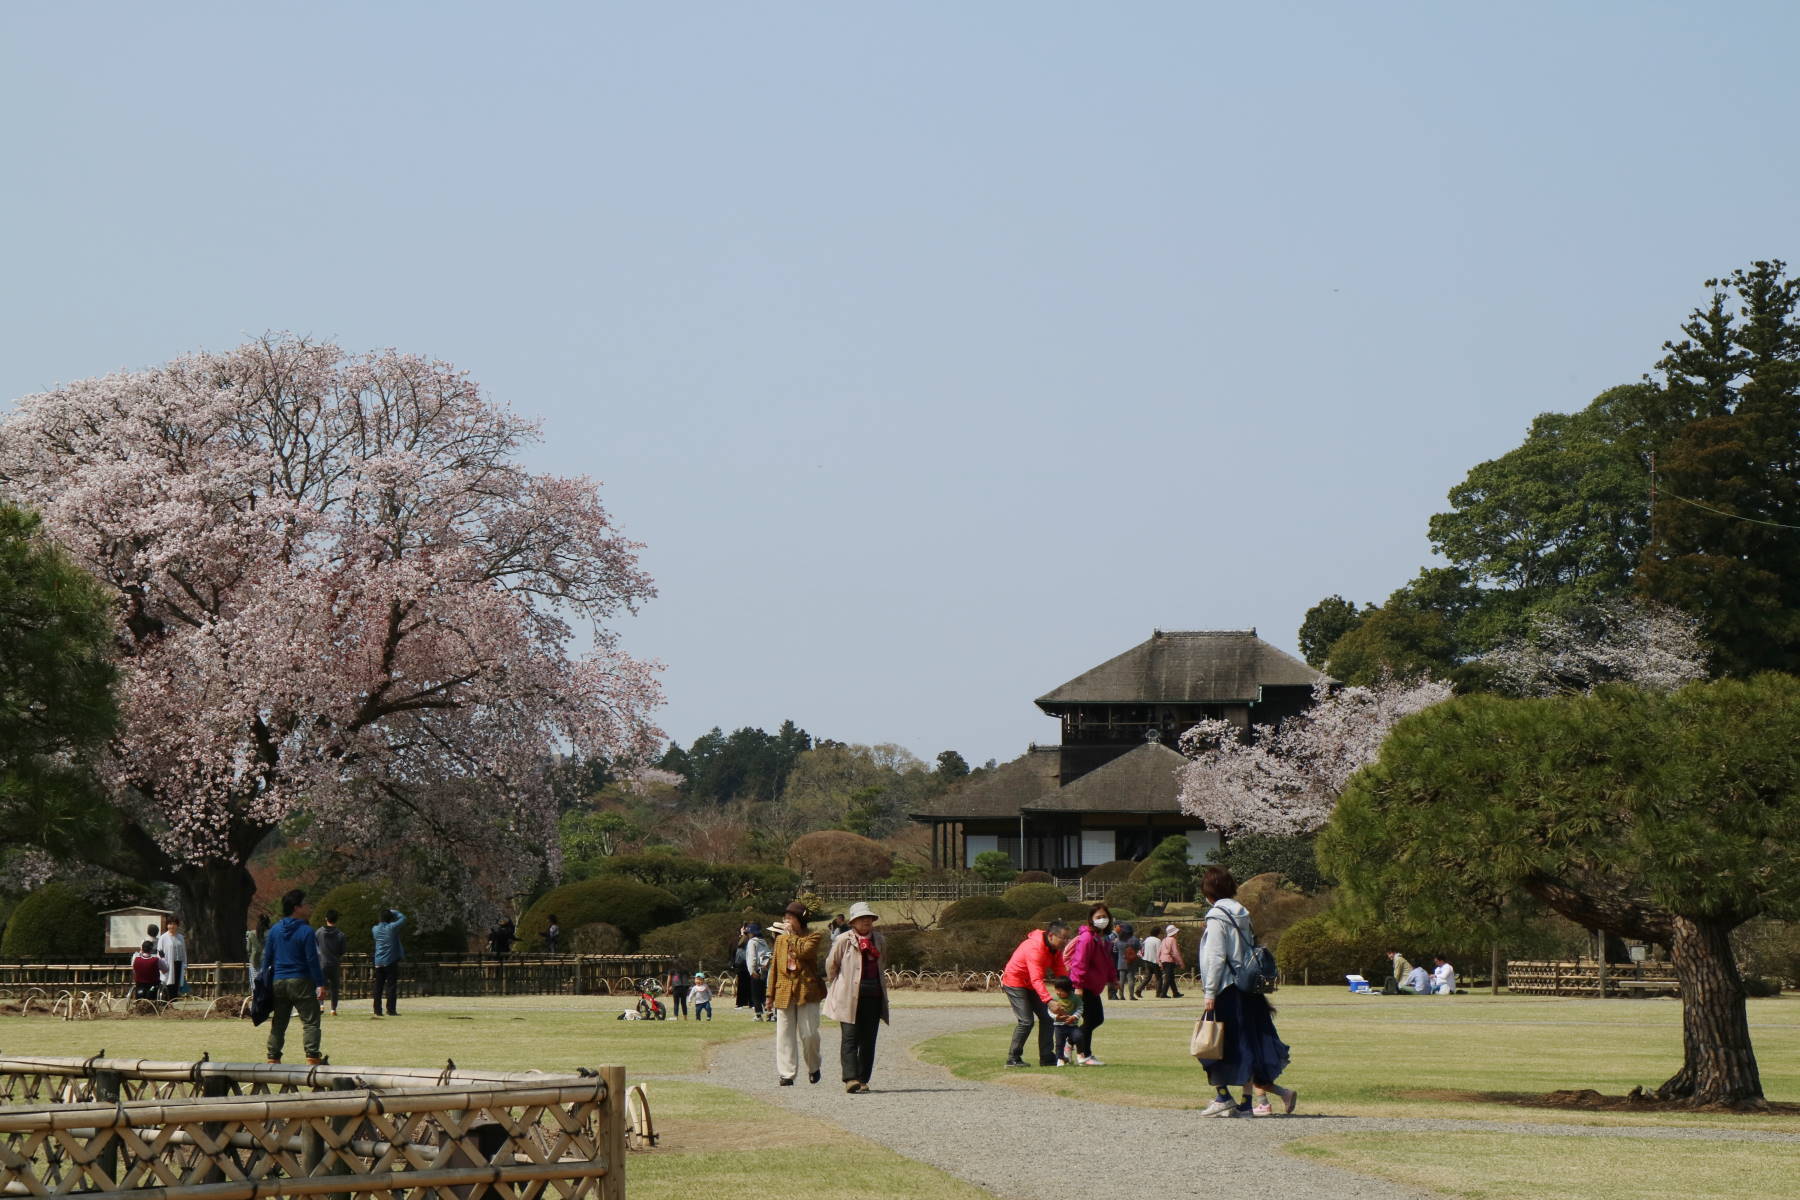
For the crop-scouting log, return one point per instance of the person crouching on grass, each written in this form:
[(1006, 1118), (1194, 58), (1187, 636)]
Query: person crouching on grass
[(293, 949)]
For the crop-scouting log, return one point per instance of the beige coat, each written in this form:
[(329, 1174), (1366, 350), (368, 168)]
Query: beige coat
[(843, 978)]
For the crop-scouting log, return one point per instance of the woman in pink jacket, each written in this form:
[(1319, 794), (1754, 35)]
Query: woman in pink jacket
[(1092, 968), (1170, 956)]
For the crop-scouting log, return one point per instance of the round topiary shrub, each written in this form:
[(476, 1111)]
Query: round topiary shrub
[(1133, 896), (55, 922), (359, 907), (974, 908), (904, 948), (1070, 912), (703, 943), (1117, 871), (1034, 877), (975, 946), (1026, 898), (634, 908), (597, 938), (1319, 946), (832, 856)]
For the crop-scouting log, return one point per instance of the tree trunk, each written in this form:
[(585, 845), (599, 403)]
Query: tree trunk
[(1719, 1066), (215, 906)]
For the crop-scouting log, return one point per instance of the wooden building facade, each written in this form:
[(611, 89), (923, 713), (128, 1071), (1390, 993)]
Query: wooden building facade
[(1108, 790)]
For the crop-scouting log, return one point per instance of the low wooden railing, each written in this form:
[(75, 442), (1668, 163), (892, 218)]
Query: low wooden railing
[(427, 975), (234, 1131), (1590, 978)]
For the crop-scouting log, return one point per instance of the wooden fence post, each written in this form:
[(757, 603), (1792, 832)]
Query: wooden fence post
[(612, 1133)]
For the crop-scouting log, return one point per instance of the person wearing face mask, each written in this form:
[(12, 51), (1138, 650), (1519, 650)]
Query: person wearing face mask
[(1092, 969), (856, 995)]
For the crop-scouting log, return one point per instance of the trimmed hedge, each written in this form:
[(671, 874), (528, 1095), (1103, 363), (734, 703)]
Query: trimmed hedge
[(975, 908), (1133, 896), (703, 943), (975, 946), (1027, 898), (1034, 877), (597, 938), (359, 906), (832, 856), (1319, 946), (55, 922), (1117, 871), (635, 908), (1072, 912)]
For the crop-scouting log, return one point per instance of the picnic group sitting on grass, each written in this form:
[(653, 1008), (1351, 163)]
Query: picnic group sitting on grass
[(1415, 981), (1056, 982)]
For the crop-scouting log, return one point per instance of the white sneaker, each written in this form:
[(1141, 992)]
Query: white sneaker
[(1091, 1061), (1220, 1108)]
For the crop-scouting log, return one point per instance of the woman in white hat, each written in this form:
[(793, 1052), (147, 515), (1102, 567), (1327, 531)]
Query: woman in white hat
[(856, 995)]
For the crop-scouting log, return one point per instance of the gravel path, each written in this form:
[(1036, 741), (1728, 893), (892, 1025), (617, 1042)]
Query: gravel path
[(1017, 1143)]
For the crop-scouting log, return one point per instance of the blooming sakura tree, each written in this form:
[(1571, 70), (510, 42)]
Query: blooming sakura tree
[(1637, 642), (340, 597), (1285, 779)]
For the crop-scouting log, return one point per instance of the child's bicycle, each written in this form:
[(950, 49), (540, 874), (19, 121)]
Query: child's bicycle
[(648, 1006)]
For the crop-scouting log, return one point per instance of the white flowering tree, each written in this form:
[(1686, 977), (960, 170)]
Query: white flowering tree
[(1285, 779), (340, 597), (1647, 645)]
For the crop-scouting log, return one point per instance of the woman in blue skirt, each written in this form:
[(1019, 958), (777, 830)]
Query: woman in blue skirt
[(1254, 1055)]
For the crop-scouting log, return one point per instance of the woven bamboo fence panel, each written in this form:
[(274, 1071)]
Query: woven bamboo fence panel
[(1585, 979), (556, 1137)]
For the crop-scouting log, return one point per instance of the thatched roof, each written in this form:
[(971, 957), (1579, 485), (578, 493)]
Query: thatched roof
[(1000, 792), (1139, 781), (1202, 667)]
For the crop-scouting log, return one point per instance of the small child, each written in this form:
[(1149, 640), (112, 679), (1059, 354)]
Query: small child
[(700, 995), (145, 971), (1065, 1014)]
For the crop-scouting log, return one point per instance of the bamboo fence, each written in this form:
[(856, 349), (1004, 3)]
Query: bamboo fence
[(1590, 978), (234, 1131)]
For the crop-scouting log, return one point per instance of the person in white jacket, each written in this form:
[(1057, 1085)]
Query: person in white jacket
[(1443, 978), (1254, 1053)]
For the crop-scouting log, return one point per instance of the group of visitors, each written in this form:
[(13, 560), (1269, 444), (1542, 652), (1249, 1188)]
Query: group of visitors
[(303, 968), (1057, 982), (1414, 981), (159, 968), (803, 973)]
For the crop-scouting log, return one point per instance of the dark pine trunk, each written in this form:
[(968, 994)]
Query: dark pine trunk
[(215, 905), (1718, 1065)]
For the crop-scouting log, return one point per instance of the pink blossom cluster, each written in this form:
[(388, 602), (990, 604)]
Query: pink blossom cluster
[(1286, 779), (339, 594)]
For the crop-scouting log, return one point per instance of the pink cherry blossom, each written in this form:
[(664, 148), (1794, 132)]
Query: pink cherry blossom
[(340, 596)]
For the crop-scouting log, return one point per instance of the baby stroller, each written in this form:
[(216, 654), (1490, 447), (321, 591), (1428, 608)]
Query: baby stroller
[(648, 1006)]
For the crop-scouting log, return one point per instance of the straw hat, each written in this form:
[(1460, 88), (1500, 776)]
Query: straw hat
[(861, 909)]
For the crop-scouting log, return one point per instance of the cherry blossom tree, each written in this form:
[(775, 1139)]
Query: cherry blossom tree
[(1285, 779), (341, 600), (1647, 645)]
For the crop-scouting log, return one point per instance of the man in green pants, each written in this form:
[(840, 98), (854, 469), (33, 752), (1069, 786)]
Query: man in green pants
[(293, 950)]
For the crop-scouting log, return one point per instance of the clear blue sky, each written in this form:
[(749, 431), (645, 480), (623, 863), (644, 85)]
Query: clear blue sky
[(937, 351)]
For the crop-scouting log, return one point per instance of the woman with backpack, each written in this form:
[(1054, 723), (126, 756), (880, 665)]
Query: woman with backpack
[(1254, 1054), (1091, 967)]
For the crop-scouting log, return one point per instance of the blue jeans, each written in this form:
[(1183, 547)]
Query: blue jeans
[(704, 1006)]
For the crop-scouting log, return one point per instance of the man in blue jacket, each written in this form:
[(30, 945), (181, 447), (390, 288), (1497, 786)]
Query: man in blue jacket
[(388, 953), (292, 949)]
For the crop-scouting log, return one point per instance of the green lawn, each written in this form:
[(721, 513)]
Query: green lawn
[(1498, 1166), (1410, 1056), (545, 1033)]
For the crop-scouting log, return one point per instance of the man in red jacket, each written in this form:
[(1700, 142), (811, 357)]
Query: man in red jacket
[(1038, 958)]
